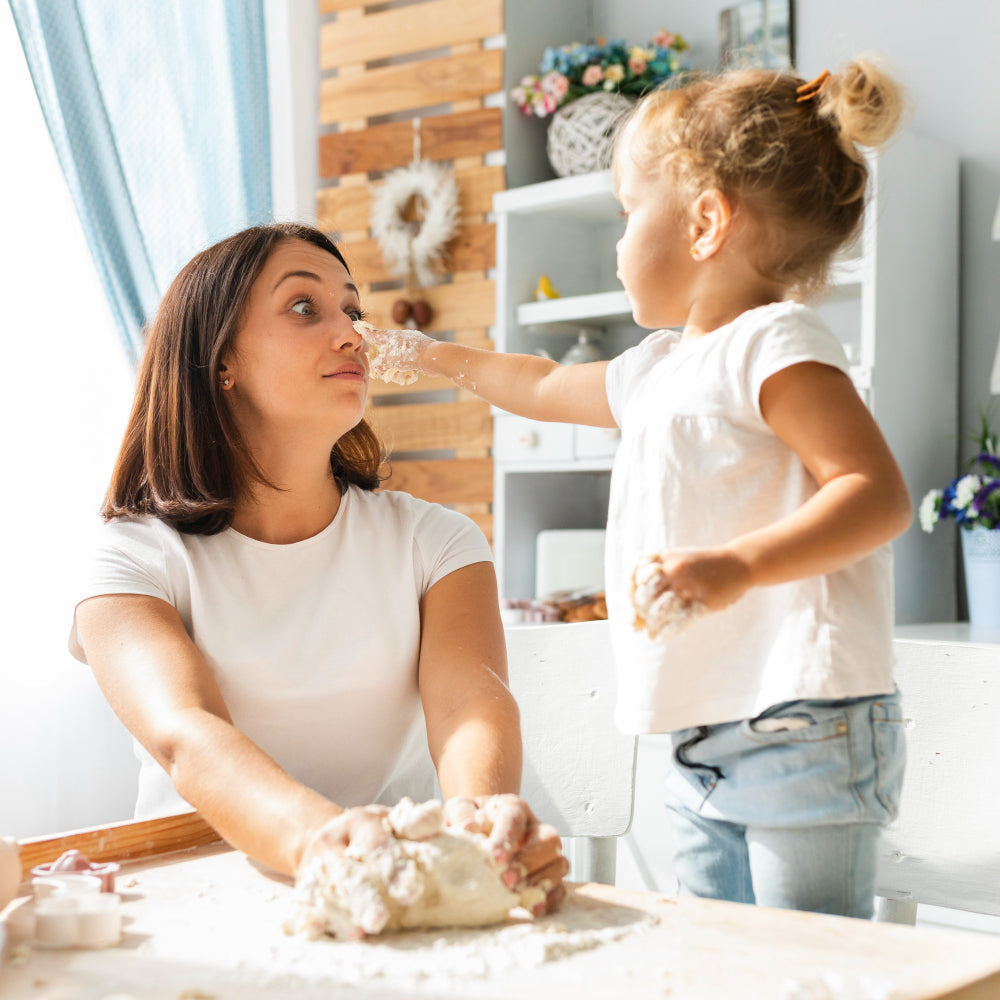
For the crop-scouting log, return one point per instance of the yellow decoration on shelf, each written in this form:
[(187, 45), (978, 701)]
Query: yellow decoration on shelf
[(545, 289)]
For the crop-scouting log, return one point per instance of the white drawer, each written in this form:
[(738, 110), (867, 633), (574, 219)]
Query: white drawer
[(596, 442), (518, 440)]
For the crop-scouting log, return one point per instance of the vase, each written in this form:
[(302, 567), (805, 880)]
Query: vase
[(981, 559), (581, 134)]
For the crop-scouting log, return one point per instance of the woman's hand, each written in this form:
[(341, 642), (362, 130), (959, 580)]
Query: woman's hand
[(530, 852), (365, 828)]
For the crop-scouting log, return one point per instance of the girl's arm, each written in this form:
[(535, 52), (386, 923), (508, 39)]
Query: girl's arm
[(473, 722), (524, 384), (160, 686), (862, 501)]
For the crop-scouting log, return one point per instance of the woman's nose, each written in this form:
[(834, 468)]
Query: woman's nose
[(347, 338)]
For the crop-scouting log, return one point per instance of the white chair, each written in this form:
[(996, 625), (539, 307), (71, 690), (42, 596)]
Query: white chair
[(944, 848), (579, 770)]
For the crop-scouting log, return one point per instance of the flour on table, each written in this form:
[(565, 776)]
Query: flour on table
[(657, 608), (392, 359), (426, 876)]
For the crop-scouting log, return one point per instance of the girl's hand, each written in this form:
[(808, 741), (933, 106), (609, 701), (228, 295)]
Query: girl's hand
[(530, 852), (363, 827), (394, 355), (713, 578)]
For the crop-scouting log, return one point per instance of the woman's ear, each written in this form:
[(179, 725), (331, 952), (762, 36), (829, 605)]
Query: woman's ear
[(712, 217)]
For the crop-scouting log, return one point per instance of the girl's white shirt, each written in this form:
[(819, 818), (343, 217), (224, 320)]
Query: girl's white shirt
[(314, 644), (697, 466)]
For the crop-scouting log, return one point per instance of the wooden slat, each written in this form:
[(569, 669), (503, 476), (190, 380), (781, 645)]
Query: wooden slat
[(430, 426), (332, 6), (420, 84), (426, 383), (390, 145), (342, 209), (472, 249), (397, 32), (120, 841), (447, 481), (461, 305)]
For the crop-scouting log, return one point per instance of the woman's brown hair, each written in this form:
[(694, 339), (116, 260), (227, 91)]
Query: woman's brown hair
[(786, 152), (183, 459)]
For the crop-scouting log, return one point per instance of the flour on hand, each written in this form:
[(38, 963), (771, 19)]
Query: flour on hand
[(425, 876), (657, 608), (392, 354)]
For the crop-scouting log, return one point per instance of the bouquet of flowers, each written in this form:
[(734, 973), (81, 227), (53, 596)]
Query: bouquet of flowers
[(570, 71), (972, 499)]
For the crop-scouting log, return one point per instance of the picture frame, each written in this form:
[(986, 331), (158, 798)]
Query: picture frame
[(757, 33)]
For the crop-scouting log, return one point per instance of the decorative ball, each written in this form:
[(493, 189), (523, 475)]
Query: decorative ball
[(422, 312), (401, 310), (581, 134)]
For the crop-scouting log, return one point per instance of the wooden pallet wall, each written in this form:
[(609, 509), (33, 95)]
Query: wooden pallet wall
[(382, 65)]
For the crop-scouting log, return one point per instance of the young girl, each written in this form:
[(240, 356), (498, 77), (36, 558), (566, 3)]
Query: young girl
[(751, 470)]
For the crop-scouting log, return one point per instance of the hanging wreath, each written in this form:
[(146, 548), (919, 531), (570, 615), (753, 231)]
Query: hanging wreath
[(414, 215)]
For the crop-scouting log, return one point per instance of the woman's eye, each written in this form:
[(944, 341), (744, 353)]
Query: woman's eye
[(355, 314), (303, 307)]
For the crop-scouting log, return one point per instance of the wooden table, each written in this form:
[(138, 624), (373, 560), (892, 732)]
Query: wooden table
[(205, 923)]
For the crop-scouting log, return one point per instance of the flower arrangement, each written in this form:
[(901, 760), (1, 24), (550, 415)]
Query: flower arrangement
[(571, 71), (972, 499)]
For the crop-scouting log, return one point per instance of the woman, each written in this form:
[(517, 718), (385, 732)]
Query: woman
[(265, 624)]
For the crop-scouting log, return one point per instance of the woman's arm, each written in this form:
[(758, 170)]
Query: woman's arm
[(473, 722), (473, 726), (861, 503), (162, 689)]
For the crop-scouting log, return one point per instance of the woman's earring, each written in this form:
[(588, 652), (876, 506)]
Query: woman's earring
[(225, 383), (695, 252)]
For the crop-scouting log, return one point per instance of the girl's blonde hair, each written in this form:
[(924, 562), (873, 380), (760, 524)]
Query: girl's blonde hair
[(794, 163)]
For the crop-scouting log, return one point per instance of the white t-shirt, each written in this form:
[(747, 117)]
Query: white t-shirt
[(697, 466), (314, 644)]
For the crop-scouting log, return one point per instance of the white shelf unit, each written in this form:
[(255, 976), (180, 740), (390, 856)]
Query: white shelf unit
[(893, 304)]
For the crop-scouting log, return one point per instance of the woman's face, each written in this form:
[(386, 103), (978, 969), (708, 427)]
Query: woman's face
[(297, 366)]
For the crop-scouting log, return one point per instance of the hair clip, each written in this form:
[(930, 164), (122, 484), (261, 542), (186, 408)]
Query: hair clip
[(809, 90)]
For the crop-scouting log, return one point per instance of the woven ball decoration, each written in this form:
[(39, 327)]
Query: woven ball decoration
[(581, 134)]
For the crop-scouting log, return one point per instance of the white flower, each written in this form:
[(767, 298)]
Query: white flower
[(929, 507), (966, 489)]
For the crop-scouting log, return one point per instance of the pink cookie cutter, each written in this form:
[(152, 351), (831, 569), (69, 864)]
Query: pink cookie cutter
[(73, 862)]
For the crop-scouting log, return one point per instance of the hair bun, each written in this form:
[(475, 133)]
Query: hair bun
[(866, 104)]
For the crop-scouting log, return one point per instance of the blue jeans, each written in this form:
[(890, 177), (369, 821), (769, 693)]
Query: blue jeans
[(785, 809)]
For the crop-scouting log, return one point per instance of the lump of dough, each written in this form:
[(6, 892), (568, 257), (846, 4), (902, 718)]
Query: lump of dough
[(427, 876), (656, 607), (387, 367)]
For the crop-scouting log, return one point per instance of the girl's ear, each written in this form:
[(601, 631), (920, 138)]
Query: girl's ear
[(712, 217)]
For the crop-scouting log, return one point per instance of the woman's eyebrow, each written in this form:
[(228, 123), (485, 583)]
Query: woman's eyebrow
[(296, 274), (348, 285)]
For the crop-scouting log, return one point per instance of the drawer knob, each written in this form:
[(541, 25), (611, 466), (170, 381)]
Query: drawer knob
[(529, 439)]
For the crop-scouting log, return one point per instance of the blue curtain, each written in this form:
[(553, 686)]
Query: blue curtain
[(158, 110)]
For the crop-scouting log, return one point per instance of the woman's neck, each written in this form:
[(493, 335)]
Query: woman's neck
[(304, 500)]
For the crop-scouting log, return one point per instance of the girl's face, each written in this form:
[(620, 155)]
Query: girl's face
[(654, 254), (297, 366)]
